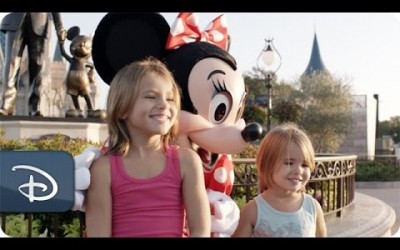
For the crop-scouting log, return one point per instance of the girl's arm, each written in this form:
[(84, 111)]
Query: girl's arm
[(98, 206), (194, 194), (247, 220), (321, 226)]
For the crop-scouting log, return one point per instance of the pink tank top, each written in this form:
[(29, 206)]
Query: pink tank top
[(147, 207)]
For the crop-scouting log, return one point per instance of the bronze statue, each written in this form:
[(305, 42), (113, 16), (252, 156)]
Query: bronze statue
[(80, 74), (26, 29)]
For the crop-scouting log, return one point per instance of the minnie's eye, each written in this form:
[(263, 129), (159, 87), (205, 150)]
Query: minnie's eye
[(220, 107)]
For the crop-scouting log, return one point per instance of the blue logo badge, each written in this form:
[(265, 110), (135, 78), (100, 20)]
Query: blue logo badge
[(36, 181)]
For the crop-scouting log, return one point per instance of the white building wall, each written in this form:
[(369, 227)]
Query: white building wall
[(361, 137), (371, 125)]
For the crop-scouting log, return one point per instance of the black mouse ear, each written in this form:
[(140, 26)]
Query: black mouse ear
[(73, 32), (121, 38)]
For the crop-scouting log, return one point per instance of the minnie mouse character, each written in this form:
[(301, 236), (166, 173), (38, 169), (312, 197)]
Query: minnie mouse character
[(213, 92)]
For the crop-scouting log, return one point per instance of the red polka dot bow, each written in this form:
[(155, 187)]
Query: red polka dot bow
[(186, 30)]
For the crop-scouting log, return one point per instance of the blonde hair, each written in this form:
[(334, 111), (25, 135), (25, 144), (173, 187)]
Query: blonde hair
[(122, 95), (273, 148)]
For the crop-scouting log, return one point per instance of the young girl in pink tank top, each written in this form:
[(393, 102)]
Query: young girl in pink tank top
[(138, 188)]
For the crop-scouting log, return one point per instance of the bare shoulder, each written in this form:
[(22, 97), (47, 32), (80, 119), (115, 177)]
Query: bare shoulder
[(321, 230), (100, 168), (187, 155), (319, 210), (247, 220), (249, 212), (250, 208), (316, 203), (101, 162), (189, 160)]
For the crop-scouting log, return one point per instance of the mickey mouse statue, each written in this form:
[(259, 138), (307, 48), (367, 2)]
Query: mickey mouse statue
[(213, 95), (80, 74)]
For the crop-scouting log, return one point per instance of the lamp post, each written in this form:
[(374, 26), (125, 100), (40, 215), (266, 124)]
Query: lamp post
[(268, 63)]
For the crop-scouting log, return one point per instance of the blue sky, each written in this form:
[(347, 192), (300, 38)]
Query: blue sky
[(364, 48)]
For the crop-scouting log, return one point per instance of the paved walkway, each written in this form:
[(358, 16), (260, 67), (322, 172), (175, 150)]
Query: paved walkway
[(366, 217), (388, 192)]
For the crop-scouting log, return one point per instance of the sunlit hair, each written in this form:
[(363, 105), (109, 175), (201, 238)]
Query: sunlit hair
[(273, 149), (122, 95)]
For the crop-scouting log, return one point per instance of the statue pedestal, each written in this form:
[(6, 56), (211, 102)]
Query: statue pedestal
[(29, 127)]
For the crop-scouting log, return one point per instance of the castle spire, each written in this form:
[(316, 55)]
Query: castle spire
[(315, 65)]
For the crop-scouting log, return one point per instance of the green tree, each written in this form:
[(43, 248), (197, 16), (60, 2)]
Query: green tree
[(255, 113), (287, 111), (390, 127), (327, 115), (320, 103), (255, 85), (384, 128), (283, 108)]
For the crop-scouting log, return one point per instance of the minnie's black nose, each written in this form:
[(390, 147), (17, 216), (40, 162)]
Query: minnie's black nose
[(251, 132)]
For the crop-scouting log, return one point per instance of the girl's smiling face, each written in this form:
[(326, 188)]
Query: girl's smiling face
[(155, 110), (293, 173)]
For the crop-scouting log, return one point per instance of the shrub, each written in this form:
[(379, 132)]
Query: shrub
[(249, 152), (17, 226), (377, 171)]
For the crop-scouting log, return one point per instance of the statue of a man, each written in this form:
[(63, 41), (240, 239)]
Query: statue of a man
[(26, 29)]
